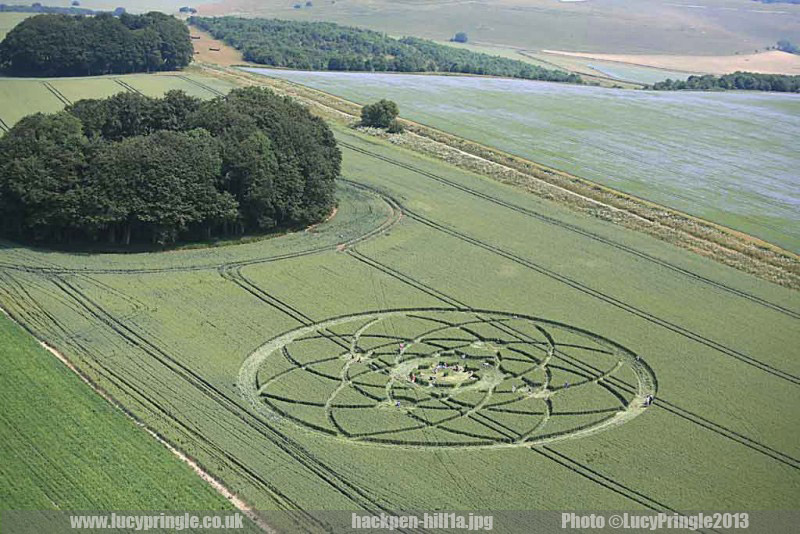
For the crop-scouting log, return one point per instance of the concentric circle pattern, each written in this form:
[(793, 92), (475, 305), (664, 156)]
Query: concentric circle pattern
[(447, 378)]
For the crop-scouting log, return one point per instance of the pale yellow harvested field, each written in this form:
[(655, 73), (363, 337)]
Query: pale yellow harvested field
[(225, 55), (772, 62)]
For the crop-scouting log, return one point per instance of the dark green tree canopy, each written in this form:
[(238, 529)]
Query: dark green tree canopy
[(743, 81), (136, 169), (381, 114), (64, 45), (328, 46)]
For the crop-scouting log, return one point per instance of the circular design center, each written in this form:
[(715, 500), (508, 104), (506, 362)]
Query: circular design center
[(439, 377)]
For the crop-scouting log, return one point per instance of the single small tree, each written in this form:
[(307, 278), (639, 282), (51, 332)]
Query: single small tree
[(460, 37), (381, 114)]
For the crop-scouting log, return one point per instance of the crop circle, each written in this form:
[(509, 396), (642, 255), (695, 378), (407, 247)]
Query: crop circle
[(442, 377)]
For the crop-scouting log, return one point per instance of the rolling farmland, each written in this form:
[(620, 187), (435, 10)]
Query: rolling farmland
[(442, 341), (281, 364), (618, 26), (726, 157)]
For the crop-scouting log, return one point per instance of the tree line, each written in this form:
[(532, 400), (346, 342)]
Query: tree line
[(65, 45), (744, 81), (39, 8), (329, 46), (132, 169)]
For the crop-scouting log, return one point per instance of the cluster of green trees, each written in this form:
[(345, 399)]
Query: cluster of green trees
[(328, 46), (133, 169), (746, 81), (64, 45)]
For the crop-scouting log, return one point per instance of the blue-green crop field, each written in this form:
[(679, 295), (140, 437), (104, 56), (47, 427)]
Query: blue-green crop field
[(727, 157), (445, 342)]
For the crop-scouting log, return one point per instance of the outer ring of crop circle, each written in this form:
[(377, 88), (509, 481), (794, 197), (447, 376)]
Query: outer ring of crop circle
[(646, 379)]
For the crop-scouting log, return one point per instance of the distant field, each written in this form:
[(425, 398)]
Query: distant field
[(9, 20), (772, 62), (699, 27), (225, 55), (64, 447), (20, 97), (606, 72), (727, 157), (595, 67)]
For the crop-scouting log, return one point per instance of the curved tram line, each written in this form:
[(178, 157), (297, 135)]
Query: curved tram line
[(395, 214)]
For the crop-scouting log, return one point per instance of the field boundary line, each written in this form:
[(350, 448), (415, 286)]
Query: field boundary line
[(216, 452), (216, 484), (712, 240), (295, 450)]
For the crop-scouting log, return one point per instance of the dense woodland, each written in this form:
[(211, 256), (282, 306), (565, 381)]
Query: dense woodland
[(65, 45), (744, 81), (328, 46), (133, 169)]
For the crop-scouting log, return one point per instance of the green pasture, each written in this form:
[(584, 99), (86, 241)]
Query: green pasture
[(726, 157), (64, 447), (173, 336)]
